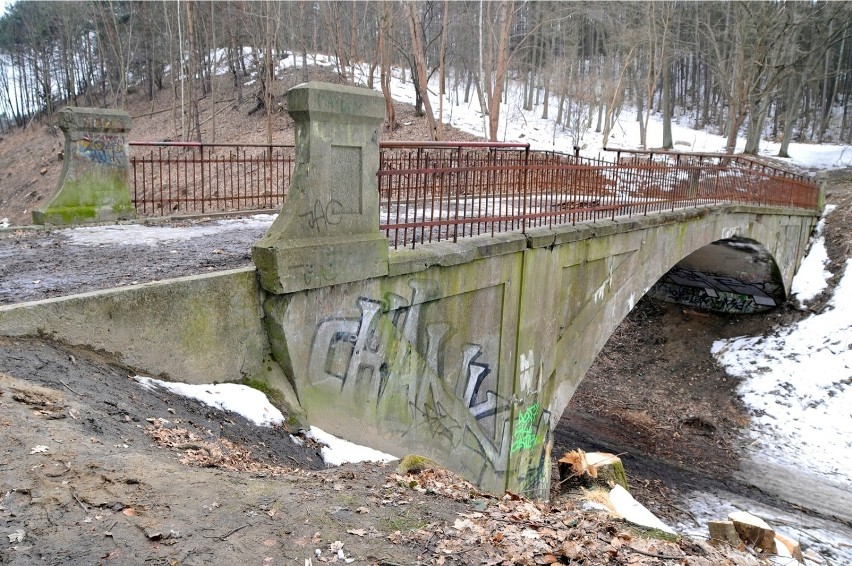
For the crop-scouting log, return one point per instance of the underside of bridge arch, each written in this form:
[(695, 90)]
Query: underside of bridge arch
[(732, 275)]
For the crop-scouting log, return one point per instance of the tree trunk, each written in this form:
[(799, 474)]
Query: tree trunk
[(667, 106), (501, 68), (385, 57), (421, 82)]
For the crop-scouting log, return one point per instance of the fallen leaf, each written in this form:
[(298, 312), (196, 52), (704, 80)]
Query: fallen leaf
[(17, 535), (39, 449), (357, 532), (128, 512), (362, 510)]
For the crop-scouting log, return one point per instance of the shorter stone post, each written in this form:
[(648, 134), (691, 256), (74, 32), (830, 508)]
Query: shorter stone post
[(328, 230), (94, 184)]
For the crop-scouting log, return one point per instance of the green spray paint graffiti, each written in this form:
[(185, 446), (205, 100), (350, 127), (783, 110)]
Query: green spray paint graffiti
[(524, 437)]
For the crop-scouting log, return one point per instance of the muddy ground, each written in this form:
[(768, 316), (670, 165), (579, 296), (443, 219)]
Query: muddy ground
[(95, 469)]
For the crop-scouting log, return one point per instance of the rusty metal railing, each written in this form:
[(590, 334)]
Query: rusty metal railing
[(172, 178), (438, 191), (433, 191)]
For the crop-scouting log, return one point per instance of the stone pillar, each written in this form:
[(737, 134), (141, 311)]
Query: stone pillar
[(328, 229), (94, 185)]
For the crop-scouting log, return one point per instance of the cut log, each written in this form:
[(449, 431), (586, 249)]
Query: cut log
[(724, 531), (602, 467), (754, 531), (792, 546)]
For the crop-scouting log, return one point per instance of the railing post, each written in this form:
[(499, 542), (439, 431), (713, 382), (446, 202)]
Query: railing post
[(201, 158), (525, 185), (94, 185), (328, 230)]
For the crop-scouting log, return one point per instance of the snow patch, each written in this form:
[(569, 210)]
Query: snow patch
[(798, 383), (240, 399), (338, 451), (139, 235), (812, 277)]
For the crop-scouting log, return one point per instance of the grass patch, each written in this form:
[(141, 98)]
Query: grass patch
[(404, 522), (275, 397)]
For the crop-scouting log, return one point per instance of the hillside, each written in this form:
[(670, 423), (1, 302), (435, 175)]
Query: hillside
[(30, 161)]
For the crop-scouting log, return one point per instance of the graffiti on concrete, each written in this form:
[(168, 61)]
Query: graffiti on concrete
[(388, 357), (103, 149), (319, 217), (524, 436), (716, 292)]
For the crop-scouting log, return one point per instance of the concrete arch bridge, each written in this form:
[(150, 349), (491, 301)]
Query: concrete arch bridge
[(509, 272)]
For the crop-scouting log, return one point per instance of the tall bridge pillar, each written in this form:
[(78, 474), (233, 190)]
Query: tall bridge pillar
[(328, 230)]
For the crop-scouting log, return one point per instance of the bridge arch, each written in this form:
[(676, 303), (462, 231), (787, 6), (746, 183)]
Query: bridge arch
[(469, 352), (593, 308), (732, 275)]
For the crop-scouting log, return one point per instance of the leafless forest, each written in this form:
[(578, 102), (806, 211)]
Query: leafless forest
[(777, 70)]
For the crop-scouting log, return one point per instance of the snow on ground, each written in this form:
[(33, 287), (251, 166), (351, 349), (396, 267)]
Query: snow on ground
[(139, 235), (254, 406), (338, 451), (240, 399), (527, 126), (817, 537), (812, 277), (798, 385)]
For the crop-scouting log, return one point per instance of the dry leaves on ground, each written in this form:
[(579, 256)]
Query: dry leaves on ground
[(211, 453), (515, 530)]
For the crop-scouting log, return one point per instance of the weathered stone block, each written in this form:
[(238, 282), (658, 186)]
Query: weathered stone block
[(94, 184)]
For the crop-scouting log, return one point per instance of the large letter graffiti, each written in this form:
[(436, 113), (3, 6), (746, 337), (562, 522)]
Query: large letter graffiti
[(394, 365)]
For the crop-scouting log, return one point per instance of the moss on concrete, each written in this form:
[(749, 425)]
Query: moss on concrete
[(91, 197)]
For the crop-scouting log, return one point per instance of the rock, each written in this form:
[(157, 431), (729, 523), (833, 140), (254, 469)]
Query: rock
[(414, 464), (754, 531), (724, 531)]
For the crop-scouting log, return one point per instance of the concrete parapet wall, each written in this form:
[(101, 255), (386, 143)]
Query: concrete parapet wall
[(197, 329)]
